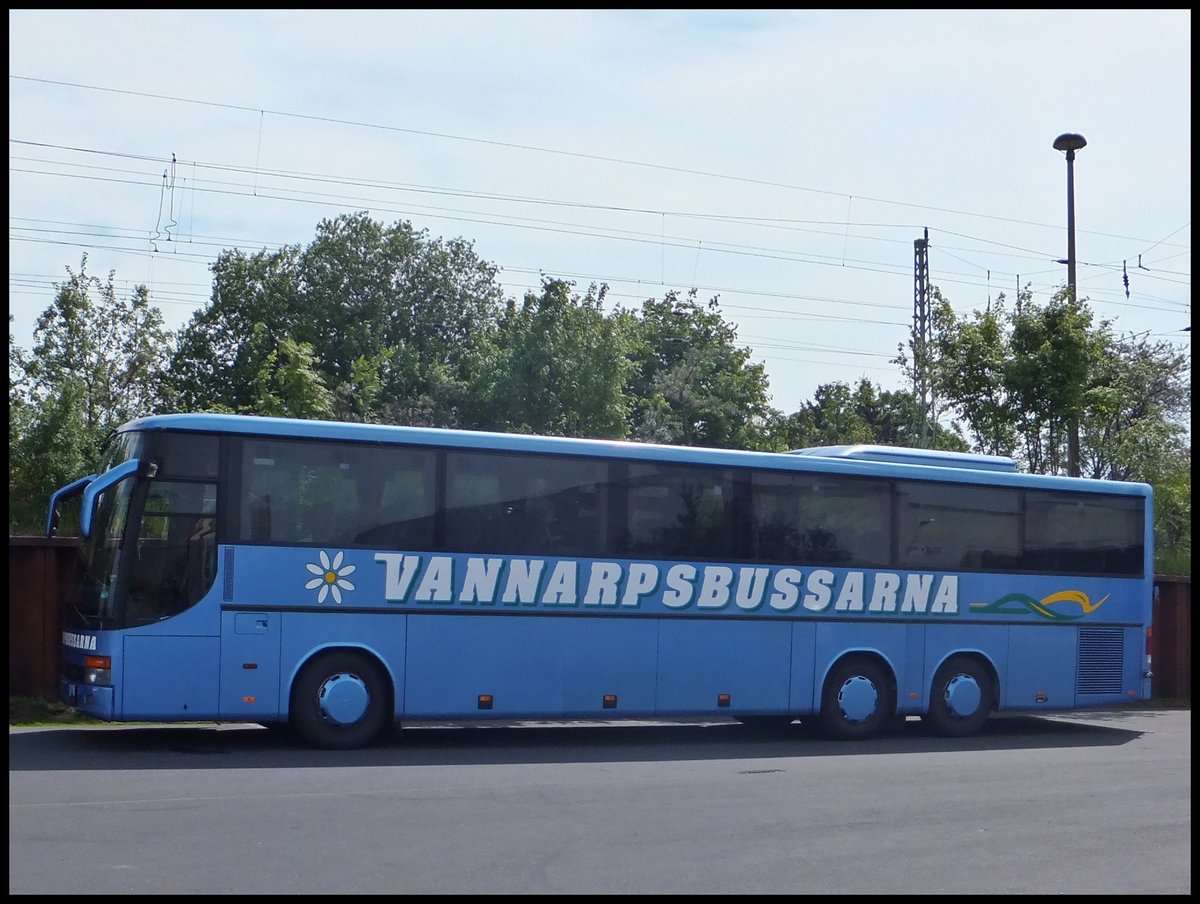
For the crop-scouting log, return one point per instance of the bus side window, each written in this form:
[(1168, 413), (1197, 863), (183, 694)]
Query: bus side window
[(473, 511), (176, 550), (272, 518), (271, 486), (577, 526), (406, 507)]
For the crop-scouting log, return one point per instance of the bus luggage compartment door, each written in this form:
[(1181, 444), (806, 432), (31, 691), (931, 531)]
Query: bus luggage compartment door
[(249, 665)]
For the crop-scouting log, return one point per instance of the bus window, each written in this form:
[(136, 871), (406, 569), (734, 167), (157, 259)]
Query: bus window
[(337, 494), (951, 527), (396, 510), (176, 551), (680, 512), (187, 455), (498, 503), (1068, 532), (818, 520), (270, 481)]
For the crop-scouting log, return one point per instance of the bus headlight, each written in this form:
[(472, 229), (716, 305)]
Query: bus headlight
[(97, 670)]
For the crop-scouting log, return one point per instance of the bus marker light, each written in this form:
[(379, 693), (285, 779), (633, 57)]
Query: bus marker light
[(97, 670), (610, 701), (249, 699), (485, 701), (250, 665), (723, 699), (913, 695)]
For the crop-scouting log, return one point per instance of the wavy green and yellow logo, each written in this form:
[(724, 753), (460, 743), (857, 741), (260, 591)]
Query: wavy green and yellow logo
[(1021, 604)]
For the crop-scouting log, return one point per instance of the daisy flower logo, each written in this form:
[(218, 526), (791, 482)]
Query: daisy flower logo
[(331, 577)]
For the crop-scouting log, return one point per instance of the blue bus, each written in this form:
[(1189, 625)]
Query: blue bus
[(342, 578)]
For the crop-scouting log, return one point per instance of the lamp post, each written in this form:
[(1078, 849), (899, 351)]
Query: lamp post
[(1070, 142)]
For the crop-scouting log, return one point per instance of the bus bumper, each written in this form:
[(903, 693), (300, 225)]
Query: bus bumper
[(90, 699)]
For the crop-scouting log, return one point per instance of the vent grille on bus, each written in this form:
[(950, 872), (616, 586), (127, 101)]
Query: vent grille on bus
[(227, 594), (1101, 660)]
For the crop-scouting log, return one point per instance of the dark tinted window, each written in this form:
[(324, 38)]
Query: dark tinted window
[(951, 527), (679, 512), (341, 494), (500, 503), (1089, 534), (814, 519), (176, 550), (337, 494), (185, 455)]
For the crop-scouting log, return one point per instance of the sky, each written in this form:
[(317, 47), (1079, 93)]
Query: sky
[(781, 161)]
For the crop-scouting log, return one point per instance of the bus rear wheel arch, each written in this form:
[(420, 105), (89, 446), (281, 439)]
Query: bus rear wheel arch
[(858, 699), (962, 696), (342, 699)]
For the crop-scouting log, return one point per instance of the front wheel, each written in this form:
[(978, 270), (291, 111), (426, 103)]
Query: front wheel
[(962, 697), (341, 700), (858, 700)]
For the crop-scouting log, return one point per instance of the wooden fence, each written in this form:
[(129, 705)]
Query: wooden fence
[(40, 571)]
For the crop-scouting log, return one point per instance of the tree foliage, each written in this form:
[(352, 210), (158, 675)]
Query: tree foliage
[(691, 384), (840, 414), (558, 366), (288, 383), (96, 362), (1052, 360), (393, 320), (970, 358)]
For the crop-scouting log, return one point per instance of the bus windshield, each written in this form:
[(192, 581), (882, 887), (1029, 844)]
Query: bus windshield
[(93, 604), (151, 552)]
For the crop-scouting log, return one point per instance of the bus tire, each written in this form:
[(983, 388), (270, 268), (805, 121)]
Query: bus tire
[(962, 697), (858, 700), (341, 700)]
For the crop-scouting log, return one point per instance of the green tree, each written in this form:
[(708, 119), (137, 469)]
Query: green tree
[(288, 385), (558, 366), (835, 418), (395, 321), (1171, 478), (691, 383), (97, 361), (892, 418), (254, 305), (1018, 381), (1135, 408), (1052, 351), (970, 361), (839, 414)]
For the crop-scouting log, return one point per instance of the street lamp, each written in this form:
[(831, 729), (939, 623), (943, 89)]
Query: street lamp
[(1070, 142)]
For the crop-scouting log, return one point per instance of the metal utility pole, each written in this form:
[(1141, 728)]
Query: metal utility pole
[(921, 339), (1070, 142)]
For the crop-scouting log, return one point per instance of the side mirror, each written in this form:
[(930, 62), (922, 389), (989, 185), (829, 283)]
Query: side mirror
[(59, 495), (91, 495)]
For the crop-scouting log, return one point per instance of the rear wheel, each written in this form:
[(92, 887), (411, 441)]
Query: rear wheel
[(341, 700), (858, 700), (962, 697)]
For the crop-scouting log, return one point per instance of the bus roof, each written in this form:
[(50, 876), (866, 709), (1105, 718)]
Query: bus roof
[(862, 460)]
